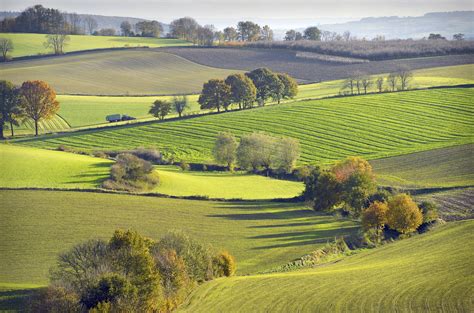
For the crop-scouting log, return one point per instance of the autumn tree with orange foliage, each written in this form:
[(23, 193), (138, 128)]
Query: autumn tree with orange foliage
[(39, 101), (403, 214)]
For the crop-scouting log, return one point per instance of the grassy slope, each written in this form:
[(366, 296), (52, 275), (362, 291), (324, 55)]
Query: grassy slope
[(25, 167), (36, 225), (428, 273), (32, 44), (139, 72), (371, 126), (224, 185), (448, 167)]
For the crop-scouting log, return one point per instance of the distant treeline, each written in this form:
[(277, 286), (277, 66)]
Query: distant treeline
[(375, 49)]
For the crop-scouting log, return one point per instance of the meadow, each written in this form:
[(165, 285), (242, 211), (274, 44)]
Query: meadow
[(37, 225), (447, 167), (33, 44), (427, 273), (371, 126), (125, 72)]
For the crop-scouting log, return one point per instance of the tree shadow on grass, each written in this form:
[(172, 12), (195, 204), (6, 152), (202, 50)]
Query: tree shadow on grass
[(15, 300), (86, 177)]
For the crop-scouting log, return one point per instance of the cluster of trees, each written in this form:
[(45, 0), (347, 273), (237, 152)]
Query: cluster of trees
[(257, 151), (161, 108), (130, 273), (143, 29), (457, 37), (350, 186), (34, 100), (315, 34), (361, 83), (256, 86)]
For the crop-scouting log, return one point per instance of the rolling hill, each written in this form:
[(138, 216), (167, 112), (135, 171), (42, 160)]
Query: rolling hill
[(426, 273), (371, 126), (135, 72)]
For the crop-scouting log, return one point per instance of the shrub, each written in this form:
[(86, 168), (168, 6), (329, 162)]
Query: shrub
[(429, 211), (223, 264), (184, 166), (403, 214)]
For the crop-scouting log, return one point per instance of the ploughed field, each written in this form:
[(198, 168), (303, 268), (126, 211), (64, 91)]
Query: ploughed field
[(33, 44), (37, 225), (426, 273), (371, 126), (134, 72), (302, 68)]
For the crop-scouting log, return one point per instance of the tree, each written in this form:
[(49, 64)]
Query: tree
[(38, 19), (256, 150), (149, 28), (90, 24), (458, 37), (404, 74), (6, 46), (215, 94), (290, 87), (290, 35), (242, 89), (288, 153), (392, 80), (350, 84), (366, 83), (184, 28), (379, 82), (205, 35), (312, 33), (223, 264), (224, 150), (75, 22), (299, 36), (248, 31), (219, 37), (10, 101), (267, 33), (126, 28), (39, 101), (403, 214), (346, 36), (160, 109), (436, 37), (322, 189), (375, 216), (267, 83), (180, 104), (230, 34), (57, 41)]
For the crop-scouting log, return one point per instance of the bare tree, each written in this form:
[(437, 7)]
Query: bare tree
[(379, 83), (90, 24), (392, 80), (346, 36), (74, 23), (6, 45), (405, 75), (57, 42), (366, 83), (350, 83)]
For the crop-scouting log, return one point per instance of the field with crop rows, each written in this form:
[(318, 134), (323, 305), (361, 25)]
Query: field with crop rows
[(33, 44), (371, 126), (306, 69), (427, 273), (455, 204), (134, 72), (37, 225)]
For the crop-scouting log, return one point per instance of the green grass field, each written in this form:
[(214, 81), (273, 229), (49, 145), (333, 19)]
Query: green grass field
[(36, 225), (32, 44), (448, 167), (175, 182), (134, 72), (25, 167), (428, 273), (371, 126)]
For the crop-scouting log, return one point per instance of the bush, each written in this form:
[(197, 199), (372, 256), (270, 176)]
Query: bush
[(184, 166), (223, 264), (54, 299), (429, 211), (403, 214)]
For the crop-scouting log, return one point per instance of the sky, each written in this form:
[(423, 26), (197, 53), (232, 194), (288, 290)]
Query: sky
[(229, 11)]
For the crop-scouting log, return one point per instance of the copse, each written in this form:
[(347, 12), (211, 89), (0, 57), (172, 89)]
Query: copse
[(215, 94), (38, 101), (242, 89), (10, 106), (267, 83)]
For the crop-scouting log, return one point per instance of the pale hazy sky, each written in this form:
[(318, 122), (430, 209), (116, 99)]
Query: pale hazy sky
[(208, 10)]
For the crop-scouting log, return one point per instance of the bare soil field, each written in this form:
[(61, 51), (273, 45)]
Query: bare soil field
[(310, 70)]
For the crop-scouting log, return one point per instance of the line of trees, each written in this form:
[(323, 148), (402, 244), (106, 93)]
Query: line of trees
[(34, 100), (161, 108), (257, 151), (258, 86), (130, 273), (361, 83)]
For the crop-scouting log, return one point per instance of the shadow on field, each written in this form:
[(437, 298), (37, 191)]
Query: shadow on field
[(15, 300), (87, 177)]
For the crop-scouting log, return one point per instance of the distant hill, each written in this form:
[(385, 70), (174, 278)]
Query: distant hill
[(444, 23), (102, 20)]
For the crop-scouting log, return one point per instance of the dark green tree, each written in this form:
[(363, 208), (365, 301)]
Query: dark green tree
[(215, 94), (267, 83), (242, 89), (290, 87), (312, 33), (160, 109), (10, 106)]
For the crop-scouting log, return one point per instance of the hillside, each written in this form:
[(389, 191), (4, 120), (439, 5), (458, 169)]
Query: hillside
[(261, 235), (426, 273), (372, 126), (153, 72)]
